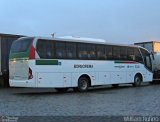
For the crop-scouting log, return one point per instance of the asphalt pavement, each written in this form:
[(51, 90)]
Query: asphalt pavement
[(124, 101)]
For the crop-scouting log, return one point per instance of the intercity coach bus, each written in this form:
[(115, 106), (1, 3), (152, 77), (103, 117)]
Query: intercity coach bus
[(75, 62)]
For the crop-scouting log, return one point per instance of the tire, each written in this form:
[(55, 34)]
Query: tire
[(137, 81), (61, 89), (83, 84)]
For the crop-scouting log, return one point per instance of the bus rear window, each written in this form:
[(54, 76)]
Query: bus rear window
[(21, 45)]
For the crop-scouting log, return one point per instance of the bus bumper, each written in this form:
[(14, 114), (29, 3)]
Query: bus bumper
[(21, 83)]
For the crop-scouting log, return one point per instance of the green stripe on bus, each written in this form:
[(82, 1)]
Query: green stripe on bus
[(19, 55), (125, 62), (47, 62)]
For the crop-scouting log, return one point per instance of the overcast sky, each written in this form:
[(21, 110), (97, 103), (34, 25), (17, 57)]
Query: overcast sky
[(117, 21)]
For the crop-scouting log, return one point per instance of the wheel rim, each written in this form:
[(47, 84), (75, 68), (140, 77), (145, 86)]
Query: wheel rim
[(138, 80), (83, 84)]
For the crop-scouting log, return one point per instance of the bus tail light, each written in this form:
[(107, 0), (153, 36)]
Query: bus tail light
[(30, 76), (32, 53)]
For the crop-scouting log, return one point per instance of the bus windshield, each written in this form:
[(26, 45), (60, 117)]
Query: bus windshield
[(147, 59), (21, 45)]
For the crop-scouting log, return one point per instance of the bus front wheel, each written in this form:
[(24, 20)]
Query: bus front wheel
[(137, 80), (83, 84)]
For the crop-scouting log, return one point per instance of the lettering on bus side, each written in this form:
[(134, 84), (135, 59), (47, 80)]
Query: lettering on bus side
[(83, 66), (137, 66)]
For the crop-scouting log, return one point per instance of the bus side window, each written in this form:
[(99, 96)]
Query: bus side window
[(41, 50), (116, 53), (123, 53), (109, 53), (83, 55), (82, 51), (91, 51), (59, 54), (130, 54), (138, 57), (45, 49), (49, 50), (101, 53), (60, 50), (70, 50)]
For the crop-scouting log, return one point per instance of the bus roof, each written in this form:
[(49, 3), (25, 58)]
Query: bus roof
[(83, 40)]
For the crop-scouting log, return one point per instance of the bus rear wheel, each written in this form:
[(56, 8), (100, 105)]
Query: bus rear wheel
[(83, 84), (137, 80), (61, 89)]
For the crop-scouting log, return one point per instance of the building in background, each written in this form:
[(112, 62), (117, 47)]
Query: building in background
[(5, 44)]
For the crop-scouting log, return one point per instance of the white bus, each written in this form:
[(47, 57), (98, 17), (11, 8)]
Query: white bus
[(74, 62)]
